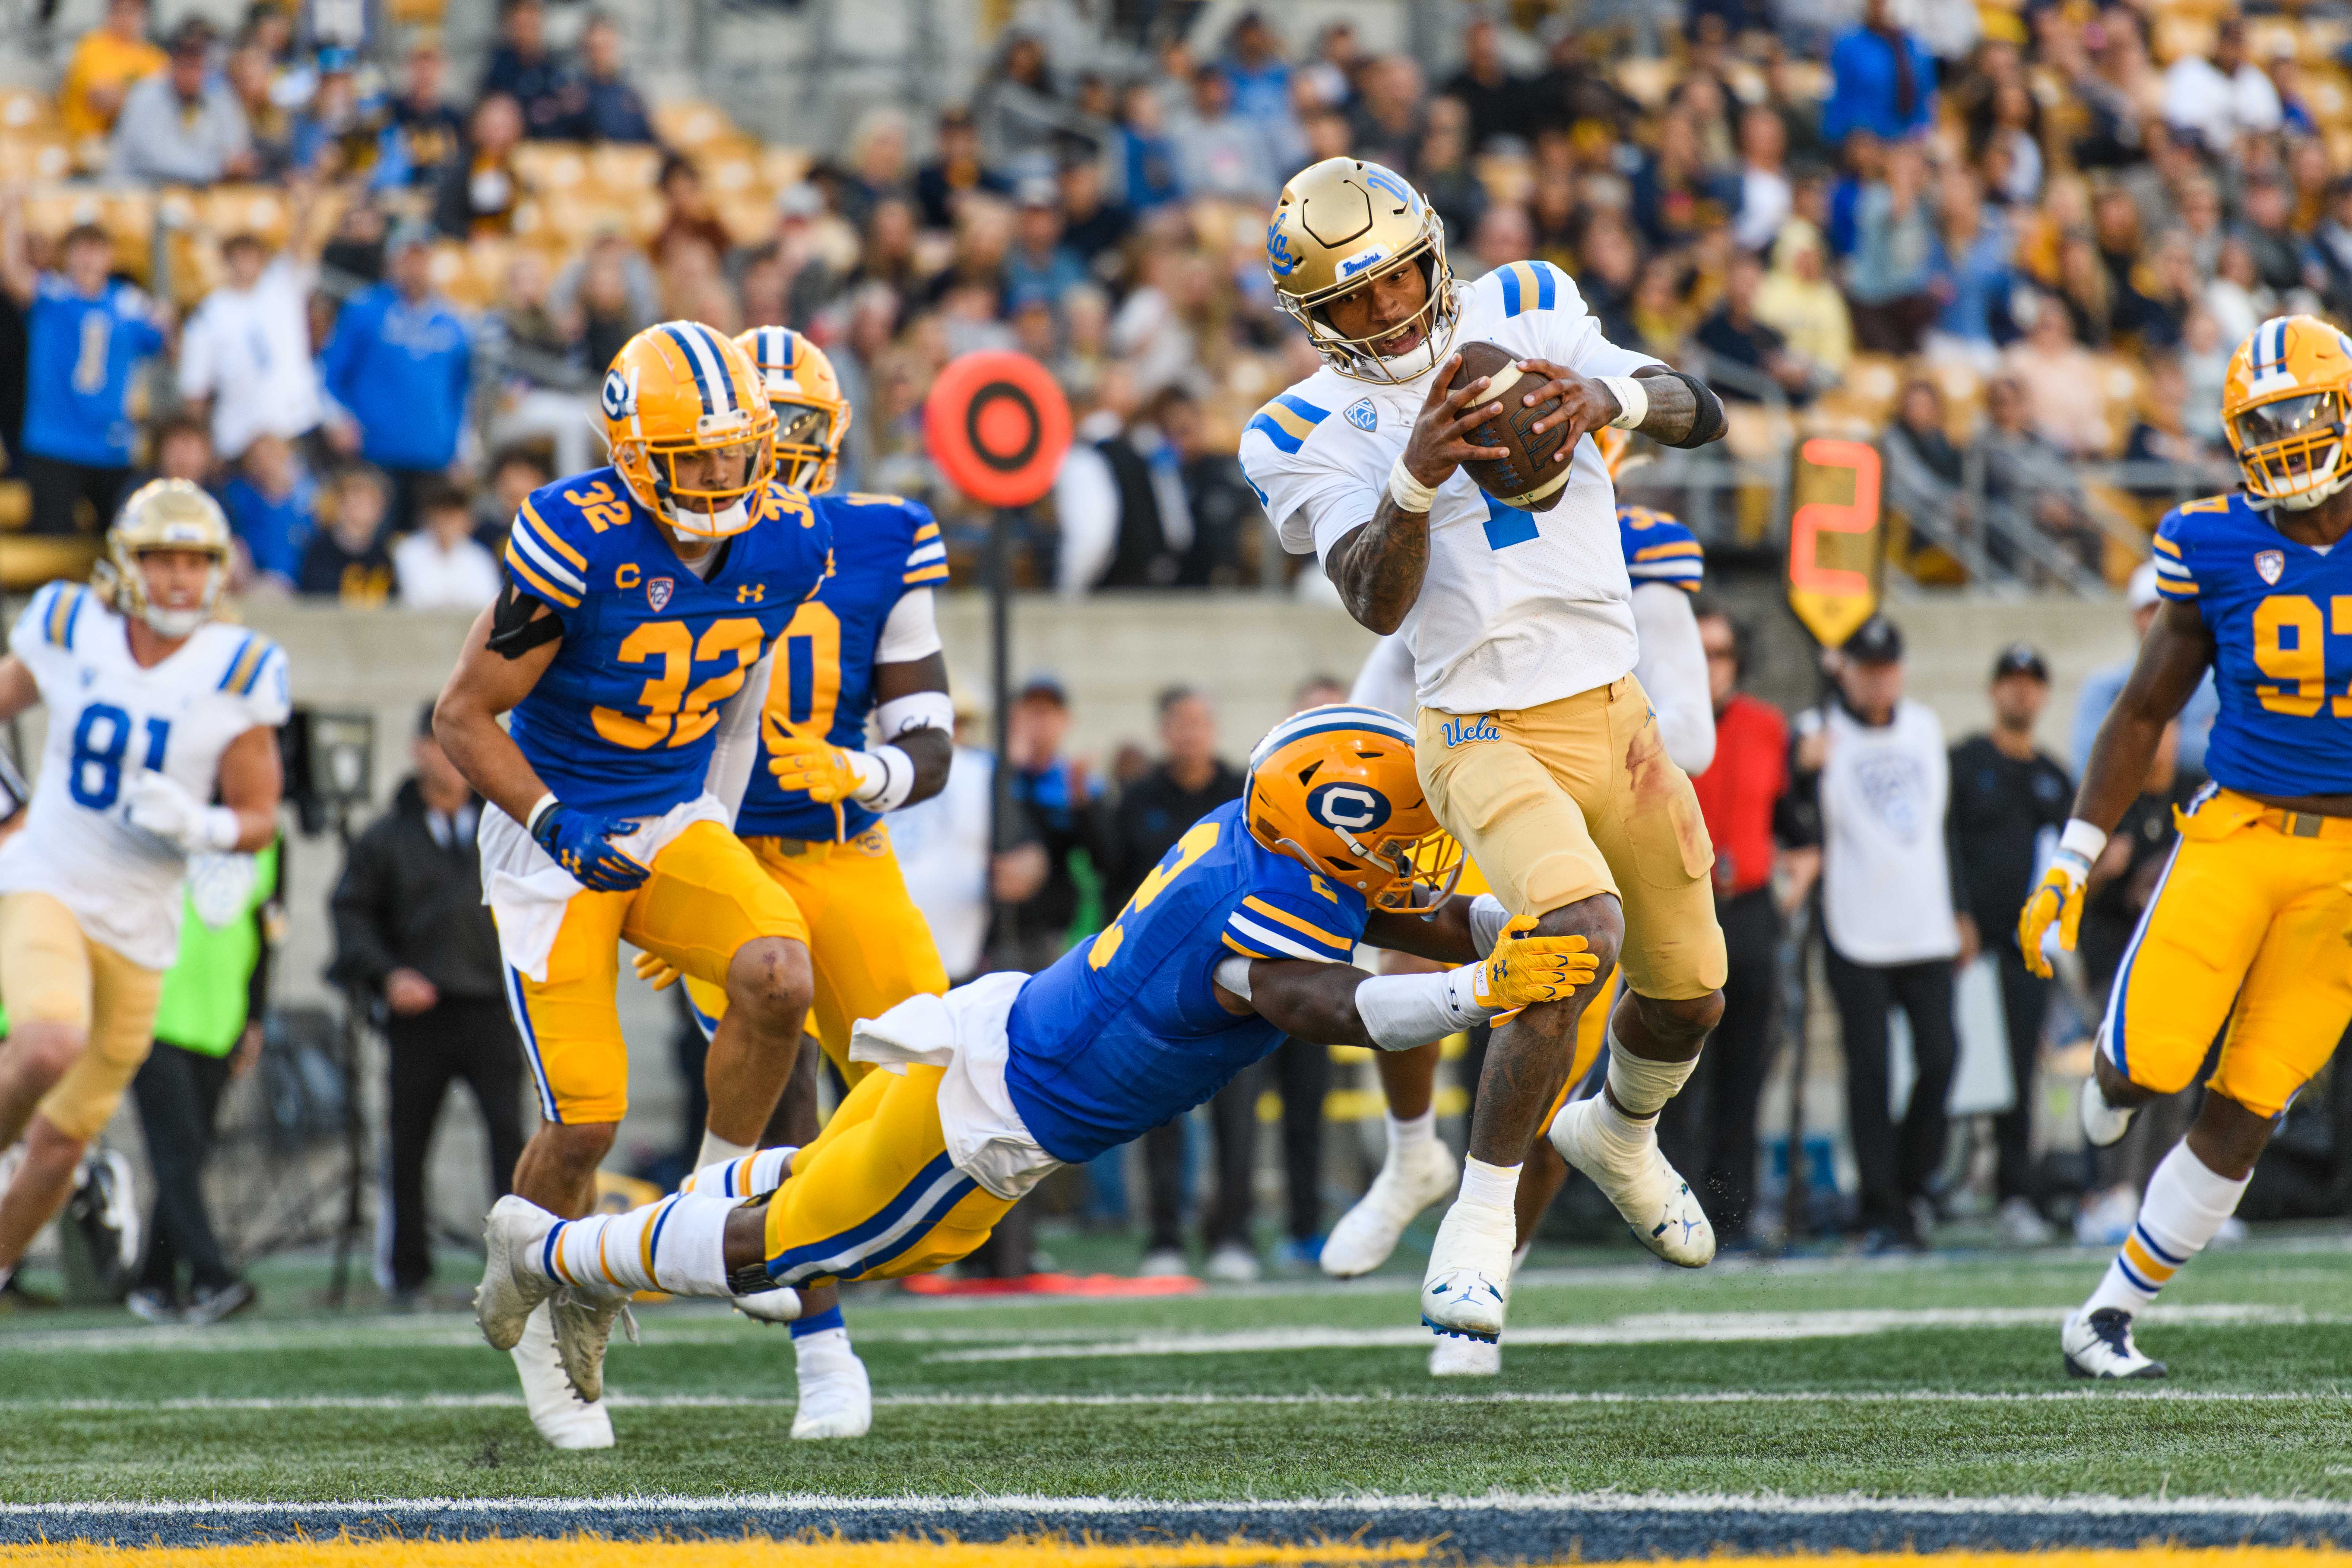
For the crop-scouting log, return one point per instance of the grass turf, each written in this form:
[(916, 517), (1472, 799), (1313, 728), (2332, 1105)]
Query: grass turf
[(93, 1407)]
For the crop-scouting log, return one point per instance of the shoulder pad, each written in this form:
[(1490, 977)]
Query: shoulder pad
[(56, 611), (1533, 285), (1287, 421), (247, 659)]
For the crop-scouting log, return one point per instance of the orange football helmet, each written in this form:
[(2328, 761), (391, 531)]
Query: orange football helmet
[(2286, 406), (811, 415), (681, 391), (1334, 789)]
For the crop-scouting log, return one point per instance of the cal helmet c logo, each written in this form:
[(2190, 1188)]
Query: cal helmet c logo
[(619, 395), (1348, 808)]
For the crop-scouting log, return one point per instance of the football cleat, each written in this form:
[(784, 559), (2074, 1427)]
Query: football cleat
[(781, 1305), (510, 1292), (583, 1323), (557, 1411), (836, 1396), (1467, 1288), (104, 1207), (1407, 1183), (1451, 1357), (1659, 1206), (2101, 1122), (2099, 1345)]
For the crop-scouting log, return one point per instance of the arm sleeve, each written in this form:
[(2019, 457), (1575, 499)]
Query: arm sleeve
[(1672, 668), (912, 632), (736, 751)]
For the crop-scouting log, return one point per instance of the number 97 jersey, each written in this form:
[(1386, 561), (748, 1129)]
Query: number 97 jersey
[(108, 717)]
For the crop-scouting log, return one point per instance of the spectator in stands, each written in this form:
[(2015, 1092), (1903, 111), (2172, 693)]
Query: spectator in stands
[(2009, 798), (1891, 274), (1219, 154), (181, 447), (1118, 498), (180, 126), (245, 352), (1188, 782), (2036, 520), (251, 76), (354, 252), (1970, 272), (524, 68), (1386, 119), (1020, 113), (207, 1031), (480, 189), (614, 292), (349, 560), (86, 332), (688, 213), (1497, 99), (1747, 359), (611, 109), (442, 566), (955, 170), (109, 59), (1765, 195), (411, 932), (400, 367), (335, 134), (1872, 765), (2327, 265), (1675, 195), (2060, 383), (2235, 295), (1093, 225), (270, 501), (1444, 177), (1039, 266), (2217, 99), (424, 137), (2267, 231), (1063, 806), (1259, 79), (2161, 436), (515, 472), (2103, 685), (1741, 797), (1798, 300), (1221, 508), (1926, 476), (1882, 80)]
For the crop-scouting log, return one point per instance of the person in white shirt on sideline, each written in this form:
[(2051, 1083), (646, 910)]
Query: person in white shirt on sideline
[(442, 566), (245, 354)]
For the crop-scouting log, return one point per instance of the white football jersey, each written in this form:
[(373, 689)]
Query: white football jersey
[(108, 718), (1518, 607)]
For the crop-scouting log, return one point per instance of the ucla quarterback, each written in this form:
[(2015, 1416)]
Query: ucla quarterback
[(1240, 935), (866, 646), (1667, 566), (639, 596), (1538, 748), (161, 747), (2245, 935)]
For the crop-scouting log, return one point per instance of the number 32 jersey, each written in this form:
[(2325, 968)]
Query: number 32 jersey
[(2281, 618), (622, 721), (108, 718)]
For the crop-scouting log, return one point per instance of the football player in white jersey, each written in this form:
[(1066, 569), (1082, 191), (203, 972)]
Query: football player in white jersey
[(156, 712), (1536, 745)]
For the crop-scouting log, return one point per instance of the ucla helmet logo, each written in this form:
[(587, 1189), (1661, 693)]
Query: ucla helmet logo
[(1280, 259)]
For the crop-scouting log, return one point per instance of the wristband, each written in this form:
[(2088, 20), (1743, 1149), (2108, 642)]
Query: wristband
[(2083, 839), (220, 829), (1409, 493), (544, 804), (1633, 401), (898, 781)]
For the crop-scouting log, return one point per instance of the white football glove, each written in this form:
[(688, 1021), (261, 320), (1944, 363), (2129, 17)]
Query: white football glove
[(157, 804)]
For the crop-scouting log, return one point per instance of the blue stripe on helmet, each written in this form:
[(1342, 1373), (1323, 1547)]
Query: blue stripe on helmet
[(694, 363)]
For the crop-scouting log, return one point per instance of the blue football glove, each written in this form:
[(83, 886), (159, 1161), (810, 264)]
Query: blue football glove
[(580, 842)]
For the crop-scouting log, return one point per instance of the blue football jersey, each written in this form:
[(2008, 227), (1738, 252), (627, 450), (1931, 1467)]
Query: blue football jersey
[(81, 355), (822, 682), (1659, 549), (2281, 618), (1124, 1032), (622, 720)]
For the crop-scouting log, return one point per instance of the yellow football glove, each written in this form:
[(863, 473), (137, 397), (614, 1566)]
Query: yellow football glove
[(1525, 969), (653, 971), (2058, 898), (824, 773)]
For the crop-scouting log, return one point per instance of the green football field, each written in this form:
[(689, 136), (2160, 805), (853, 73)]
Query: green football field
[(1925, 1378)]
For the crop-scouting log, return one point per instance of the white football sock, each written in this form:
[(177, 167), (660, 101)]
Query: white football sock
[(678, 1244), (1639, 1088), (1486, 1186), (1412, 1135), (715, 1150), (2185, 1205), (750, 1177)]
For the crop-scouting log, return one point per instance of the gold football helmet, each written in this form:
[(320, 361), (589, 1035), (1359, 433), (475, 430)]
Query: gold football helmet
[(682, 388), (1336, 790), (163, 514), (1340, 224), (2284, 407), (811, 415)]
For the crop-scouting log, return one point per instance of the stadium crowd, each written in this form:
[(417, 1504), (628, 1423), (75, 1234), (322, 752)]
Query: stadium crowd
[(366, 303)]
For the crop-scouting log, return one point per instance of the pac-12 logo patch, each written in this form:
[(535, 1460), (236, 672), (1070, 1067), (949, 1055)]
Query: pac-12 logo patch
[(2270, 565), (1363, 415), (1461, 731), (657, 591), (1349, 807)]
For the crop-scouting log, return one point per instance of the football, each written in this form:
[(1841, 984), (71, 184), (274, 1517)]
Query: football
[(1521, 473)]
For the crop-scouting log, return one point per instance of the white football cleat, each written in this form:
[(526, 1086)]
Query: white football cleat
[(2099, 1345), (583, 1326), (1467, 1288), (1451, 1357), (836, 1397), (511, 1290), (781, 1305), (2101, 1122), (558, 1414), (1658, 1205), (1406, 1185)]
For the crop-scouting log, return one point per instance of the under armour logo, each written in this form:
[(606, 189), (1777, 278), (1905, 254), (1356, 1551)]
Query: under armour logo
[(750, 592)]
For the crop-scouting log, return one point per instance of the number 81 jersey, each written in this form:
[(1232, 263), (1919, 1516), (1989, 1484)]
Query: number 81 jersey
[(623, 721), (108, 718)]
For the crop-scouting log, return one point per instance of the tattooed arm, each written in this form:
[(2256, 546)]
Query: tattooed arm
[(1378, 565), (1682, 413)]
